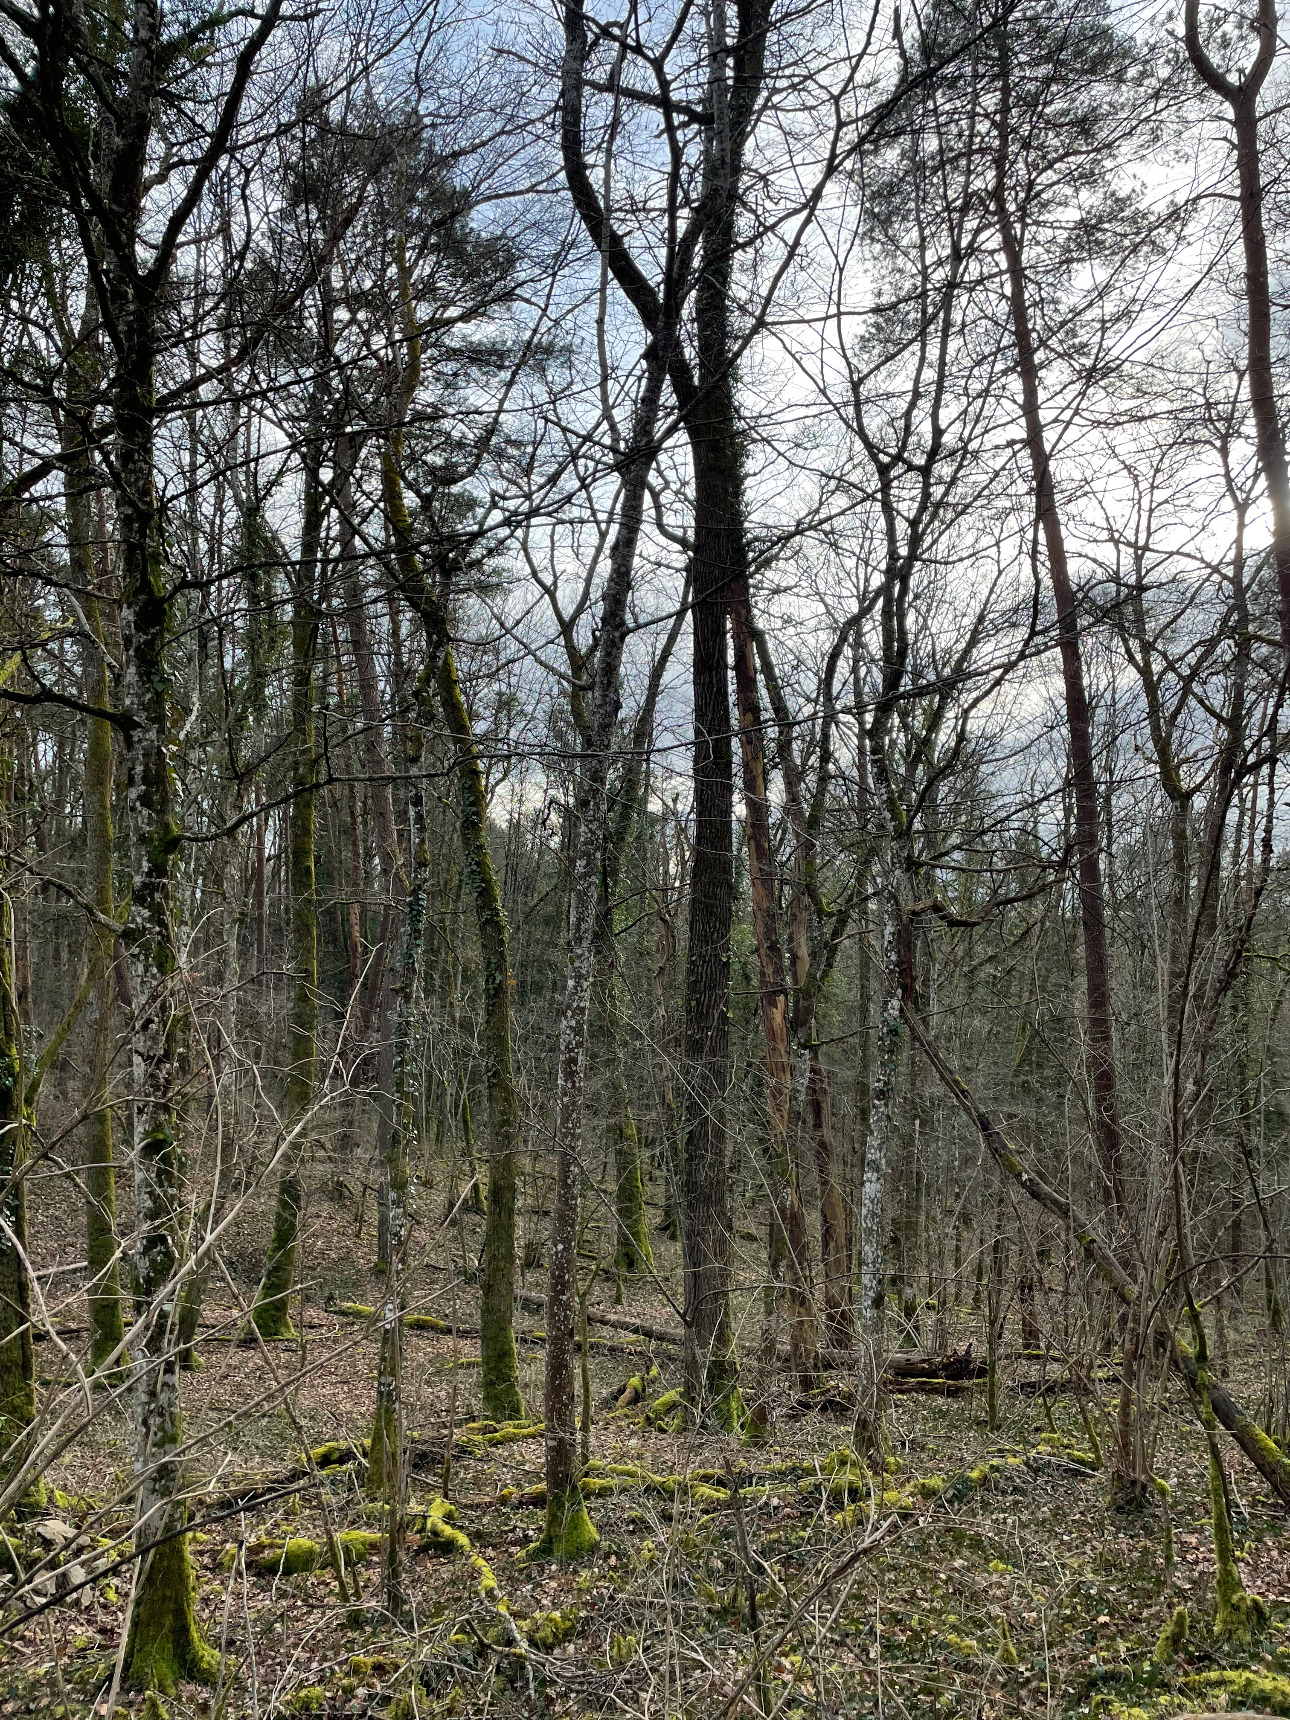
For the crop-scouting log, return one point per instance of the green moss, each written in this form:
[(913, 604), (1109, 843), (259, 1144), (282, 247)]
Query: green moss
[(1264, 1690), (369, 1665), (443, 1538), (411, 1322), (311, 1699), (1005, 1649), (570, 1535), (964, 1645), (488, 1589), (165, 1644), (333, 1453), (292, 1558), (1171, 1638), (664, 1410), (509, 1434), (1239, 1617), (358, 1544)]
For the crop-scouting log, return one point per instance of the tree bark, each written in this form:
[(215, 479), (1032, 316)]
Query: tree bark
[(17, 1351), (500, 1364), (1242, 96), (107, 1321), (271, 1309), (1097, 970), (794, 1268)]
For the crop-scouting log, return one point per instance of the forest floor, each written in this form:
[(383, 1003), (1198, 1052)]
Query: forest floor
[(984, 1576)]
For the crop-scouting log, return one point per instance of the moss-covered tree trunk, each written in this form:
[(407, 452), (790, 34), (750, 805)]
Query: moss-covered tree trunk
[(271, 1310), (104, 178), (499, 1374)]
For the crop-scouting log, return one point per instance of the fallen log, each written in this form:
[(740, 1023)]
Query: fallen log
[(441, 1328), (620, 1322), (955, 1365), (927, 1365)]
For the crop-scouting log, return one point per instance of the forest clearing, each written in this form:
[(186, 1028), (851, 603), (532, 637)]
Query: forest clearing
[(644, 863)]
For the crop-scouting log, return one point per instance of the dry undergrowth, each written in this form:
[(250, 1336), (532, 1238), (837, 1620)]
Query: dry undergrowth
[(996, 1581)]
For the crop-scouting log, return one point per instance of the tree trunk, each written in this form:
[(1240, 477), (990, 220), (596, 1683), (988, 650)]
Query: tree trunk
[(632, 1252), (1097, 972), (785, 1195), (386, 1463), (271, 1310), (1243, 98), (879, 1147), (711, 1368), (165, 1644), (500, 1380), (107, 1323), (17, 1351), (569, 1532)]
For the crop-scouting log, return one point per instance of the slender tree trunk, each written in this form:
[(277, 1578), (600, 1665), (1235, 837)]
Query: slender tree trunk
[(1242, 96), (380, 800), (879, 1150), (386, 1465), (107, 1323), (569, 1532), (1097, 970), (785, 1195), (811, 1081), (17, 1351), (165, 1644), (500, 1365), (271, 1310), (632, 1251)]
